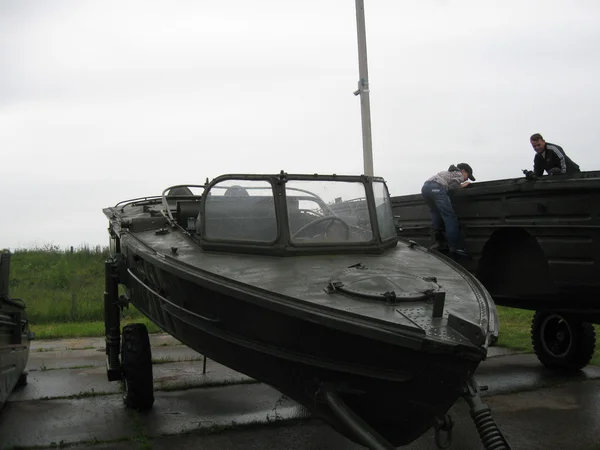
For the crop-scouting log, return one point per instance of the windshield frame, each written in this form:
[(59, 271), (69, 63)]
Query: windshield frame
[(283, 244)]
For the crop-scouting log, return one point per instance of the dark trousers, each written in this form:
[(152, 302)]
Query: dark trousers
[(442, 214)]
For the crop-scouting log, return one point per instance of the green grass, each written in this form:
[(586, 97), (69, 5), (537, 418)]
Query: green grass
[(82, 329), (515, 328), (64, 291), (61, 286)]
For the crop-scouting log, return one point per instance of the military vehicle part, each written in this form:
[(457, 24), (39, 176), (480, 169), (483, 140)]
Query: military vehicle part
[(363, 433), (491, 436), (561, 341), (443, 431), (137, 367), (112, 321), (534, 244), (15, 335)]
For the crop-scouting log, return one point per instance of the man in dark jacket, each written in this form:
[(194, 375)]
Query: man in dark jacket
[(435, 193), (550, 158)]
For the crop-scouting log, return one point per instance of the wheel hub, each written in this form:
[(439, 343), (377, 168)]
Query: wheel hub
[(556, 336)]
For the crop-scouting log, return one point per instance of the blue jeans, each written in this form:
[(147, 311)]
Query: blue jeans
[(442, 213)]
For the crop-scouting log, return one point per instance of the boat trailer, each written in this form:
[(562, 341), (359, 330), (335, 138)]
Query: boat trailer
[(489, 433)]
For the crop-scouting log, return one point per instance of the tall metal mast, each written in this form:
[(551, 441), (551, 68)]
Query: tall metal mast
[(363, 88)]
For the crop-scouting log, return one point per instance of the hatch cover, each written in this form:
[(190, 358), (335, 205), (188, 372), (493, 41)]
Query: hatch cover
[(383, 284)]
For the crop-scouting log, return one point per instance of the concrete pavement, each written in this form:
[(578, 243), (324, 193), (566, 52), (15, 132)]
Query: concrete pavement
[(69, 401)]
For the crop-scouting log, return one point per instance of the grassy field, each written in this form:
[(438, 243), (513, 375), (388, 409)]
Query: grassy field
[(64, 295), (82, 329), (64, 291), (61, 286)]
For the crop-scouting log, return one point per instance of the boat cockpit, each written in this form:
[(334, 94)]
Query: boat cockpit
[(285, 214)]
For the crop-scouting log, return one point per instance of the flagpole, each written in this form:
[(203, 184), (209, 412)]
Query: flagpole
[(363, 89)]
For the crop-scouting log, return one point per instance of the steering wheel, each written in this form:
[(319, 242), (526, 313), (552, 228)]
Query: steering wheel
[(310, 212), (323, 219)]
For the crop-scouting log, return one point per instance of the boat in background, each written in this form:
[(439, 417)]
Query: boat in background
[(301, 282), (15, 336)]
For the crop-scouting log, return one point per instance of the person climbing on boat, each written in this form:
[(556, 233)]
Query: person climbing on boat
[(550, 158), (435, 192)]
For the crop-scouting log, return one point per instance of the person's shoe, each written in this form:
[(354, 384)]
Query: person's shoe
[(439, 246), (461, 252)]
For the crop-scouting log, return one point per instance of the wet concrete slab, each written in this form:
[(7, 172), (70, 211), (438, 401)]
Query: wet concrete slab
[(501, 375), (553, 418), (527, 401), (57, 359), (48, 384), (210, 408), (558, 418), (520, 372), (43, 422)]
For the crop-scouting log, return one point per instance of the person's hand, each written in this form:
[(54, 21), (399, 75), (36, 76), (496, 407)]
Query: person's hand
[(465, 184), (554, 171), (530, 175)]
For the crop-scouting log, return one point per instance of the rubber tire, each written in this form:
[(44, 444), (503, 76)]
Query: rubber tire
[(576, 338), (136, 366)]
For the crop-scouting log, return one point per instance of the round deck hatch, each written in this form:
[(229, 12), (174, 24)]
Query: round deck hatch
[(381, 284)]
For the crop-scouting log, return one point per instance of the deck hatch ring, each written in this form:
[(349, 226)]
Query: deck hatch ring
[(382, 284)]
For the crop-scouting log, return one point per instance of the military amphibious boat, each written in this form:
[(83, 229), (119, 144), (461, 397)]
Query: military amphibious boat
[(301, 282), (14, 335), (534, 245)]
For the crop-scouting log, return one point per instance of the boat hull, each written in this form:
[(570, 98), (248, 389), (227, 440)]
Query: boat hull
[(397, 390), (277, 277)]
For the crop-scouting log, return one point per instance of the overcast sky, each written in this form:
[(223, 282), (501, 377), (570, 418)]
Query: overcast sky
[(103, 101)]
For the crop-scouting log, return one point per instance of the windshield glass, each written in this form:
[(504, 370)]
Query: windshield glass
[(240, 210), (327, 212), (383, 206)]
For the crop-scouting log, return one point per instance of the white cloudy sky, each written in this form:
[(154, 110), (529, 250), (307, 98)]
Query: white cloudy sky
[(102, 101)]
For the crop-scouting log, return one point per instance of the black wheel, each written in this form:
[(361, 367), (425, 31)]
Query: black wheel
[(136, 365), (561, 341)]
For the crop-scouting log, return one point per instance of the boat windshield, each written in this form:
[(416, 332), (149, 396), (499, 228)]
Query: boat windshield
[(240, 210), (327, 211), (300, 211), (383, 206)]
